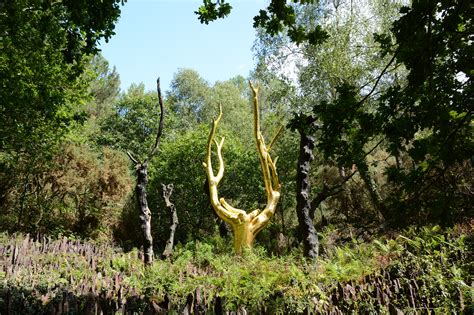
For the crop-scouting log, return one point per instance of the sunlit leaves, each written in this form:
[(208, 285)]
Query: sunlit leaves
[(279, 16), (211, 11)]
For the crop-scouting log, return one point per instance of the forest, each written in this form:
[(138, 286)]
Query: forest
[(337, 178)]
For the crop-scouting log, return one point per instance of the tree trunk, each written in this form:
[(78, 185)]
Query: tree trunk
[(243, 236), (372, 188), (303, 197), (145, 213), (167, 191), (141, 169)]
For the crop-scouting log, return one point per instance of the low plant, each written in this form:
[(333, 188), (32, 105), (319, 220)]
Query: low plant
[(422, 269)]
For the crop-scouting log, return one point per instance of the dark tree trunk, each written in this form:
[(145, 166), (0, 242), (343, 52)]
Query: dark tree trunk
[(141, 169), (303, 197), (167, 191), (145, 213), (320, 197)]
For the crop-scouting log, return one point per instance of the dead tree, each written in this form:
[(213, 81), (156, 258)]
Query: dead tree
[(167, 191), (303, 196), (244, 225), (141, 170), (305, 206)]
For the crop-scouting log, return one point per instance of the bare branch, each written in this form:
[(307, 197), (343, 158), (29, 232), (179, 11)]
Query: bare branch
[(327, 192), (378, 79), (132, 158), (160, 127)]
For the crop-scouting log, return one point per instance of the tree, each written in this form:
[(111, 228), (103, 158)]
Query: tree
[(179, 163), (188, 98), (141, 170), (347, 55), (428, 119), (417, 121), (244, 225), (81, 192), (105, 87), (43, 48), (133, 122)]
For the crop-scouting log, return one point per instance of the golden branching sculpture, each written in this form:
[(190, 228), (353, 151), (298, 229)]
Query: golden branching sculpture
[(244, 225)]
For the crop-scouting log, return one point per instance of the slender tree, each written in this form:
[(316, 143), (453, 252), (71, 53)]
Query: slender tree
[(141, 170), (167, 191)]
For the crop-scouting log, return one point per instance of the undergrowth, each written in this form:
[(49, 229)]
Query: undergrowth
[(426, 268)]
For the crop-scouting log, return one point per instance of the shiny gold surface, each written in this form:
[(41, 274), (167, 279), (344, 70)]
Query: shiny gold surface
[(244, 225)]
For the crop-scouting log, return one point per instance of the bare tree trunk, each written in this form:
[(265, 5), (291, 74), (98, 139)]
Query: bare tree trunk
[(141, 169), (167, 191), (303, 197), (145, 213)]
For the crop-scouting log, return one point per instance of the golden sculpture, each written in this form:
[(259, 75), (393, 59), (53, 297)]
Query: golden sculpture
[(244, 225)]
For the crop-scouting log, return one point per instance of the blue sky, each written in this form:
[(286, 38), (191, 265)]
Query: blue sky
[(157, 37)]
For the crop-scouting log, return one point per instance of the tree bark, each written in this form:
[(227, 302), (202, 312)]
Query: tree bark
[(167, 191), (374, 193), (141, 169), (145, 213), (303, 197)]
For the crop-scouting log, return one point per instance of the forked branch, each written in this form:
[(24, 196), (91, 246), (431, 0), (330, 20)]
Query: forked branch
[(270, 176), (245, 225)]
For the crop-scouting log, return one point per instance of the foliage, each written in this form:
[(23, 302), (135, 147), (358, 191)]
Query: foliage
[(80, 192), (43, 48), (413, 113), (211, 11), (104, 88), (188, 98), (423, 269), (278, 16), (193, 101), (412, 119), (45, 78), (429, 118), (180, 162), (133, 122)]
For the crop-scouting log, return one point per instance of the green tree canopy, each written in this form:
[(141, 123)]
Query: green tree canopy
[(42, 54)]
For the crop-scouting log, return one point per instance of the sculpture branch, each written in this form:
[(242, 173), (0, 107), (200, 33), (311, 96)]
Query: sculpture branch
[(270, 175), (275, 137), (223, 210), (244, 225)]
